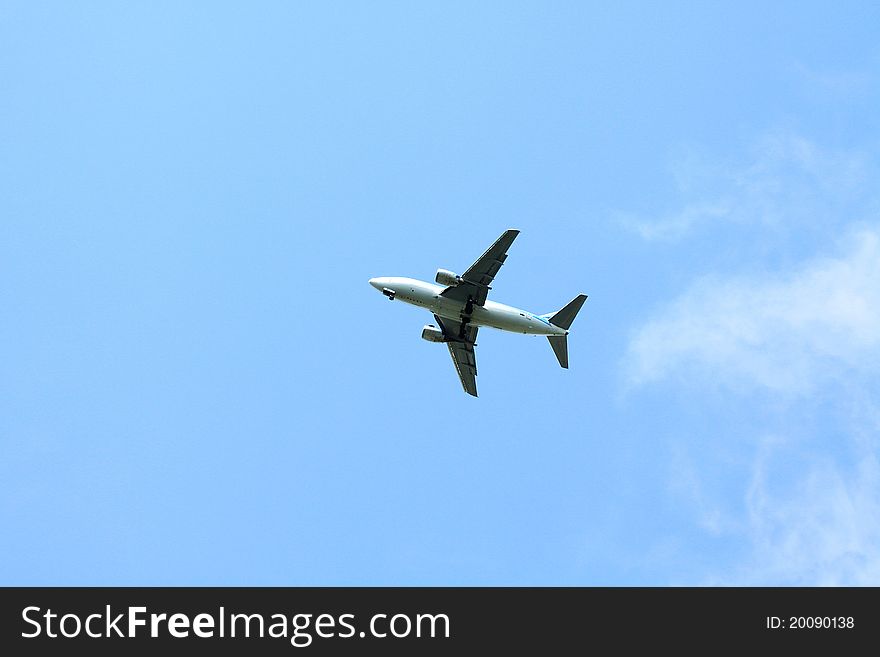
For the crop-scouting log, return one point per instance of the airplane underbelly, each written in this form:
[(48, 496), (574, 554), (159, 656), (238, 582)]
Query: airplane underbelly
[(415, 296), (447, 308), (504, 321)]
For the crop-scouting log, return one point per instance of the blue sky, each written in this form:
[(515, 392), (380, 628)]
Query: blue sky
[(198, 386)]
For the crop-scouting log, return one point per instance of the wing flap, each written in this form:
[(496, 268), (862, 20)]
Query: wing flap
[(465, 361), (462, 339)]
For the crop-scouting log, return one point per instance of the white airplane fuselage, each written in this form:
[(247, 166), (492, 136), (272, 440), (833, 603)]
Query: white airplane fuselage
[(492, 314)]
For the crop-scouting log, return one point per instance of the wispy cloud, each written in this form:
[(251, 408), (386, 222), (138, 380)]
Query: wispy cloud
[(676, 225), (822, 531), (806, 333), (839, 84), (782, 332), (784, 181)]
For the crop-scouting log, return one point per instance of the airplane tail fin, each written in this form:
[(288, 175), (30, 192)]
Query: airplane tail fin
[(560, 348), (563, 318)]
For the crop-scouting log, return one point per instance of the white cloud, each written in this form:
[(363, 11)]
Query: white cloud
[(786, 182), (676, 225), (782, 333), (807, 335), (808, 510), (822, 531)]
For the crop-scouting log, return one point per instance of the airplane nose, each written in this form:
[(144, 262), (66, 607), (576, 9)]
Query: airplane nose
[(375, 283)]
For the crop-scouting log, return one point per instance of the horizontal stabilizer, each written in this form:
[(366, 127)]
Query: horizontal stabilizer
[(565, 317), (560, 348)]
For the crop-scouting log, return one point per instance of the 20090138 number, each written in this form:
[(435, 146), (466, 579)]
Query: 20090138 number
[(820, 622)]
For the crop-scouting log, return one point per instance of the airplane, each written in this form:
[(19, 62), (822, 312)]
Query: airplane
[(460, 307)]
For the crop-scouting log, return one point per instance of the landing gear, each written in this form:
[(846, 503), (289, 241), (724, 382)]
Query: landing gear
[(466, 318), (388, 293)]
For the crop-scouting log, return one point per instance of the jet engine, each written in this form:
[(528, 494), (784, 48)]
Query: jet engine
[(432, 334), (446, 277)]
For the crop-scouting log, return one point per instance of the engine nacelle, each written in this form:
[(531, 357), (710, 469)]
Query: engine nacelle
[(446, 277), (432, 334)]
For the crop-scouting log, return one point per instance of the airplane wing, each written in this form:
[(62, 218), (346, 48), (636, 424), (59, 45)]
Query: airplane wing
[(476, 280), (462, 339)]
